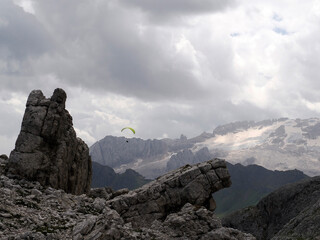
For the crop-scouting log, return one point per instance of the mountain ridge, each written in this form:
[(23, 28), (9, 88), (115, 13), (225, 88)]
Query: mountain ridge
[(276, 144), (250, 184), (105, 176)]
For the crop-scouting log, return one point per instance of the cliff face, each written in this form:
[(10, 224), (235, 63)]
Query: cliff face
[(47, 149), (116, 151)]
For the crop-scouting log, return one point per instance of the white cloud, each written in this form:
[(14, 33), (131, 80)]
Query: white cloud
[(27, 5)]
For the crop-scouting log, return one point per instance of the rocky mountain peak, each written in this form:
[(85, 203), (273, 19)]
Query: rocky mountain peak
[(47, 149)]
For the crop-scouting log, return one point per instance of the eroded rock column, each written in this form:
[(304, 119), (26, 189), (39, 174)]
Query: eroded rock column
[(47, 149)]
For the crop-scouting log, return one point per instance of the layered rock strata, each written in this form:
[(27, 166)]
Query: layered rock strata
[(29, 210), (169, 193), (47, 149)]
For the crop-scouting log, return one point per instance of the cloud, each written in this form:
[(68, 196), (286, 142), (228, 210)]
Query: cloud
[(22, 36), (167, 10), (12, 109), (163, 67), (104, 46), (22, 41)]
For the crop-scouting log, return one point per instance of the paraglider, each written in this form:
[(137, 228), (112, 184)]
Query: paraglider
[(134, 132)]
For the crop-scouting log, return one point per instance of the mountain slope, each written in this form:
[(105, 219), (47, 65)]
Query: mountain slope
[(104, 176), (291, 212), (277, 144), (250, 184)]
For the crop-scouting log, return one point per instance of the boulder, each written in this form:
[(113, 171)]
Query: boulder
[(47, 149), (169, 193)]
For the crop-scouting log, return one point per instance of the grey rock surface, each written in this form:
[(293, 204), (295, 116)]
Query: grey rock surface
[(3, 163), (115, 151), (188, 157), (306, 225), (169, 193), (47, 149), (291, 212), (29, 210), (194, 223)]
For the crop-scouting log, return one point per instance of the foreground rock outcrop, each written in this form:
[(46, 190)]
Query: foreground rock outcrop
[(291, 212), (169, 193), (3, 163), (29, 210), (47, 149)]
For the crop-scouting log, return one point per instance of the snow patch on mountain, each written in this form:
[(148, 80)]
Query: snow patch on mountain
[(277, 144), (241, 139)]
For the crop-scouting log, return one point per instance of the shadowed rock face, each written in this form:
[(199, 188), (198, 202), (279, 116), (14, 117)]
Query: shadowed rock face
[(291, 212), (169, 193), (47, 149)]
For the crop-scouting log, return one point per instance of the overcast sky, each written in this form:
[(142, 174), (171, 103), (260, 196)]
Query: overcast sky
[(162, 67)]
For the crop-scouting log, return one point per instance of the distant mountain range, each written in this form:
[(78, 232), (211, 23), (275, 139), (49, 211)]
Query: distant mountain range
[(278, 144)]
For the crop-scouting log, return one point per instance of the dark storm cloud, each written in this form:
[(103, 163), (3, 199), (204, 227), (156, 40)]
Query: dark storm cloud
[(21, 35), (162, 10), (22, 40), (103, 48)]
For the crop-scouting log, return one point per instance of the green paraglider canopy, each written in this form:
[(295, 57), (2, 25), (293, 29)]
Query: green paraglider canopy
[(134, 132)]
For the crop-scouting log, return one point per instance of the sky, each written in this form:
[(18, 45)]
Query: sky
[(164, 68)]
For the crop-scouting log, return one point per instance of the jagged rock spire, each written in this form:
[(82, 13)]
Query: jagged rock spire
[(47, 149)]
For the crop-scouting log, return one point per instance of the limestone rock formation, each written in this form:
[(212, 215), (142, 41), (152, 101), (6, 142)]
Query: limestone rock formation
[(29, 210), (116, 151), (47, 149), (196, 223), (169, 193)]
